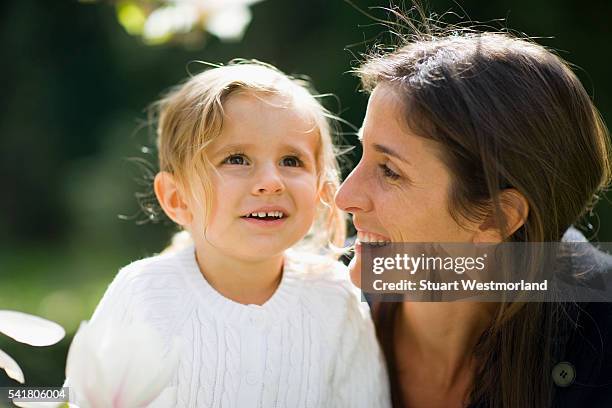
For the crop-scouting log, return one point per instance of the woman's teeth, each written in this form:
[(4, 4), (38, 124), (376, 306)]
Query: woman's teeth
[(371, 238)]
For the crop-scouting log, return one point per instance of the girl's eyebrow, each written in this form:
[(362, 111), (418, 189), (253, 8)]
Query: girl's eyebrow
[(243, 147), (233, 147), (295, 150)]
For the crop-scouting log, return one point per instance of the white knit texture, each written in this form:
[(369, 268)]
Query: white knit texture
[(311, 345)]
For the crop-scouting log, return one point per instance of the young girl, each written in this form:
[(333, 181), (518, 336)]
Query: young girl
[(247, 169)]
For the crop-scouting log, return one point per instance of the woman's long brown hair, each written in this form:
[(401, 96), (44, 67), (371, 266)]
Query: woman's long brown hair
[(507, 113)]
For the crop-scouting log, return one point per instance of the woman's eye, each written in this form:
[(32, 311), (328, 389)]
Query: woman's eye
[(387, 172), (291, 161), (236, 159)]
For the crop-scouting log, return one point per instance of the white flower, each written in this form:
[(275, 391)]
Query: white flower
[(161, 21), (164, 22), (229, 23), (44, 404), (120, 366), (28, 329), (227, 19)]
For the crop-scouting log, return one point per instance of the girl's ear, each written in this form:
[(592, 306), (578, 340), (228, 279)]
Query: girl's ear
[(171, 199), (325, 194), (515, 208)]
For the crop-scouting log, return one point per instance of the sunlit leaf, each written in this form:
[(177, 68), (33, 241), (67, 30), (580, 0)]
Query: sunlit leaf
[(131, 17)]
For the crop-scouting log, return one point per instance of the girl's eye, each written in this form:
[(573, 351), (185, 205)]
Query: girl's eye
[(291, 161), (236, 160), (387, 172)]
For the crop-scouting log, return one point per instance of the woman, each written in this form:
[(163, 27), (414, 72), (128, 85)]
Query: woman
[(481, 137)]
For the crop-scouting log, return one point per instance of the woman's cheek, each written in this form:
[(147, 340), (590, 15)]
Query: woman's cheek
[(392, 216)]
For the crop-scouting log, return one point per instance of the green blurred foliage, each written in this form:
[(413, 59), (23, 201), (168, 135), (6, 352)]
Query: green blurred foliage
[(75, 86)]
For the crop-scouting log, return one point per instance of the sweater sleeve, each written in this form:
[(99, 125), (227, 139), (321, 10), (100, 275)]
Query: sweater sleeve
[(116, 301), (142, 291), (360, 377)]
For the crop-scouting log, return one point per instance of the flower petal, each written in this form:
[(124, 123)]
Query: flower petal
[(83, 373), (229, 23), (133, 351), (167, 398), (220, 4), (40, 404), (119, 365), (30, 329), (164, 22), (11, 367)]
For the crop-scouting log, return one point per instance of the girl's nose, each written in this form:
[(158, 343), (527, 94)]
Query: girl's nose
[(268, 181), (353, 196)]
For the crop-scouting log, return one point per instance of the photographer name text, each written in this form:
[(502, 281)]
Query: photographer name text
[(467, 285)]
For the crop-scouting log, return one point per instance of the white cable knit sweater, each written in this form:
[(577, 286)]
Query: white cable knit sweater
[(312, 344)]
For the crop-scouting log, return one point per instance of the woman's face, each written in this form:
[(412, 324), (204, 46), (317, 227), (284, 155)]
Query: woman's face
[(399, 190)]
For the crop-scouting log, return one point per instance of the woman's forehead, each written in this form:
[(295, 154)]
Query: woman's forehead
[(386, 123)]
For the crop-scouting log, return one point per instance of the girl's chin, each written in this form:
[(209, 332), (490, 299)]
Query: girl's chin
[(256, 253)]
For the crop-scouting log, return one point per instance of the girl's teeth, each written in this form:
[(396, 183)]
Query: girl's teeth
[(275, 214)]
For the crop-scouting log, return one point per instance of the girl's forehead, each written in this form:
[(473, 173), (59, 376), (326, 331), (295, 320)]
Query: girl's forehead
[(253, 125), (251, 105)]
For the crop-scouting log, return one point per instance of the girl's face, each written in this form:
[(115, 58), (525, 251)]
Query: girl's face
[(398, 191), (265, 184)]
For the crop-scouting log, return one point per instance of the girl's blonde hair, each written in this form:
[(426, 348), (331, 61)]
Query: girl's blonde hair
[(190, 117)]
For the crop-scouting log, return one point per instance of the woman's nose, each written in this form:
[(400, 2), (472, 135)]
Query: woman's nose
[(268, 181), (352, 196)]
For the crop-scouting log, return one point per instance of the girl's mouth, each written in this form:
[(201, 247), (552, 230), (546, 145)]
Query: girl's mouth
[(266, 215), (266, 219)]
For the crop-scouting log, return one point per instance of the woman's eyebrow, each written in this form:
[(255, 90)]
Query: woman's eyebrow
[(389, 152)]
